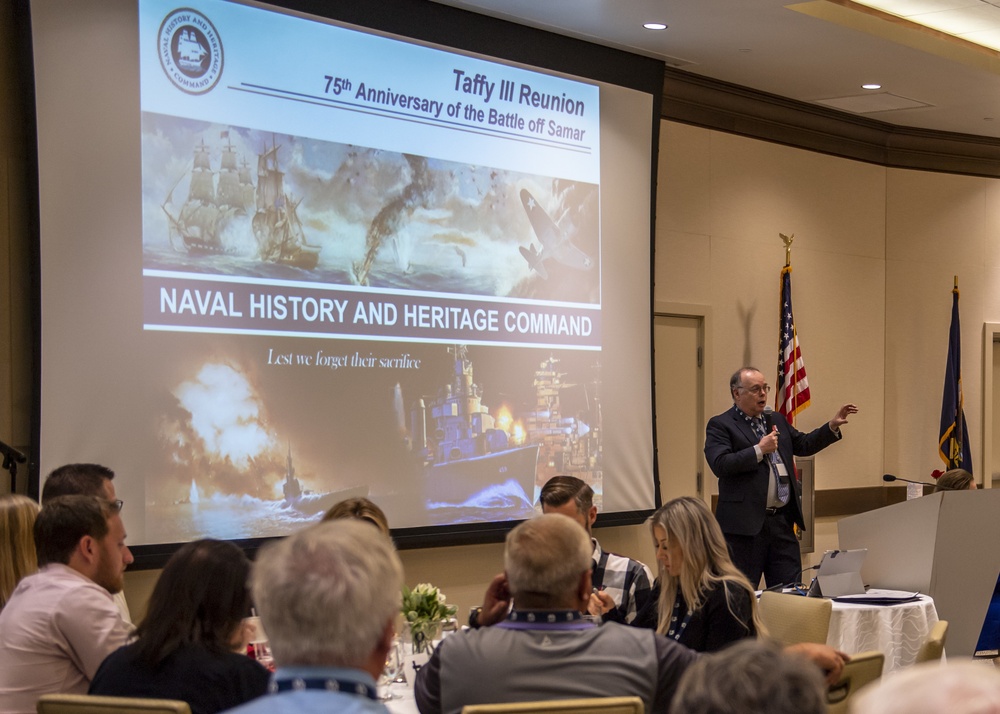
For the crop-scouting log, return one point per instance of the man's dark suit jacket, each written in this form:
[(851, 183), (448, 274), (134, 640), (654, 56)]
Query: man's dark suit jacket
[(743, 482)]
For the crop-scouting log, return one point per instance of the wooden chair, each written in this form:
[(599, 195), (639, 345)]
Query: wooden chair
[(597, 705), (933, 647), (859, 671), (791, 619), (88, 704)]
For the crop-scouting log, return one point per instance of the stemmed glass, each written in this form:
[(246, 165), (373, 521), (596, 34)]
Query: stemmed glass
[(393, 669)]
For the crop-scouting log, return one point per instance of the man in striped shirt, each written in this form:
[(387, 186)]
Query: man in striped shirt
[(621, 585)]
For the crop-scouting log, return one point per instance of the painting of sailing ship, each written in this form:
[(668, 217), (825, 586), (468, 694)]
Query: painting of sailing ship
[(276, 225), (216, 198)]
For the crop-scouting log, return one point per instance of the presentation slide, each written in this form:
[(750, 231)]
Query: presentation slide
[(322, 262)]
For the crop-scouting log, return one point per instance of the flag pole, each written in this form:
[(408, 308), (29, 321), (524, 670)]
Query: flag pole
[(792, 393), (953, 442), (787, 240)]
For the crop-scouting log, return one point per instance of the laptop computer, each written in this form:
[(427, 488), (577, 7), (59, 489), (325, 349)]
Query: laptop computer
[(839, 573)]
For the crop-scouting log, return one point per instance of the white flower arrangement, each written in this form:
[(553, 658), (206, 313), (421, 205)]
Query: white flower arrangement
[(424, 608)]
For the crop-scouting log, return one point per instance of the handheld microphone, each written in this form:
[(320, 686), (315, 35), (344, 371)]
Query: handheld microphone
[(768, 411), (890, 477)]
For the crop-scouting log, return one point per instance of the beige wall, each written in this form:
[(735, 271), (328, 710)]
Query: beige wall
[(462, 572), (722, 201), (873, 260), (874, 255)]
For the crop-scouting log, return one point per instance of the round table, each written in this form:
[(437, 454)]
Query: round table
[(895, 630)]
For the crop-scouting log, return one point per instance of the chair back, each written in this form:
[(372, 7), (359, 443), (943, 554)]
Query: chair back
[(597, 705), (933, 647), (90, 704), (860, 670), (791, 619)]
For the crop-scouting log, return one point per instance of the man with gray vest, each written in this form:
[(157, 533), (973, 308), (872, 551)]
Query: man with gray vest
[(545, 648)]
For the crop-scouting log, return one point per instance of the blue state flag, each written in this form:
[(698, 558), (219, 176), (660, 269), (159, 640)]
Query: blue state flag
[(953, 444)]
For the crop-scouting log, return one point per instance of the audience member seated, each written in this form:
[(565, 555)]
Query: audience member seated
[(931, 688), (62, 622), (86, 480), (703, 600), (751, 677), (187, 642), (328, 597), (17, 542), (955, 480), (360, 508), (544, 649), (621, 585)]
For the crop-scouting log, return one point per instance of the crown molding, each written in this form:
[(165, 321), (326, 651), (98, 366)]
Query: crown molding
[(692, 99)]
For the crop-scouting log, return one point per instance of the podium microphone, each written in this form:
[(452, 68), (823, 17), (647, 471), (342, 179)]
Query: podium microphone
[(890, 477)]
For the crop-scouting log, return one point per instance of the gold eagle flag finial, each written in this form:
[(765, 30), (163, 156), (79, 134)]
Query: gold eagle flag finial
[(787, 240)]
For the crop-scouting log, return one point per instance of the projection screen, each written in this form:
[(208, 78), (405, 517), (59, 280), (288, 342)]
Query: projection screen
[(287, 260)]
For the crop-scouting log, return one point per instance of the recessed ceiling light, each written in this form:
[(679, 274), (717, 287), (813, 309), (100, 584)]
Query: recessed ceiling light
[(654, 26), (871, 86)]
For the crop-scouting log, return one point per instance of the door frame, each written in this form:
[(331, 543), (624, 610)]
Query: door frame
[(991, 338), (703, 313)]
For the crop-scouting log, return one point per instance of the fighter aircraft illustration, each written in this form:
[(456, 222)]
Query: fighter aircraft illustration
[(555, 243)]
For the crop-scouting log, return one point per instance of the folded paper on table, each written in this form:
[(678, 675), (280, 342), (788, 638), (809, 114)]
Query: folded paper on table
[(877, 596)]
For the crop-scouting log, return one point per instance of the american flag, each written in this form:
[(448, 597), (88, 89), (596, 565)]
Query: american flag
[(792, 395)]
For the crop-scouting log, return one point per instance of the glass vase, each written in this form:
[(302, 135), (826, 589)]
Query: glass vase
[(423, 634)]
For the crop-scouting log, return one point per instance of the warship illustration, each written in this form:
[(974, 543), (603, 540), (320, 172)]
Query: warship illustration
[(216, 198), (208, 210), (308, 502), (276, 224), (190, 52), (463, 448), (567, 424)]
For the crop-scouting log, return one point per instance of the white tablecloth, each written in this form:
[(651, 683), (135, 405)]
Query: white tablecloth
[(896, 630)]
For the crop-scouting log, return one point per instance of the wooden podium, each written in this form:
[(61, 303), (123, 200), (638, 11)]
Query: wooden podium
[(946, 545)]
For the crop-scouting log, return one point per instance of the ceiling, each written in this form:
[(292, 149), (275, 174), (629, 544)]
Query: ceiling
[(819, 51)]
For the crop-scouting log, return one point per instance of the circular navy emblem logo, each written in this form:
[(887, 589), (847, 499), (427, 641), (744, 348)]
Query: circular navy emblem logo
[(190, 51)]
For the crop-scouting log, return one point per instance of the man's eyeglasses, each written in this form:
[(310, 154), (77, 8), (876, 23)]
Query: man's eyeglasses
[(757, 389)]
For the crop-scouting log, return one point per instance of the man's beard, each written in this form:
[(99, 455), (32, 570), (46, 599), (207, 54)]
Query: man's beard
[(108, 577)]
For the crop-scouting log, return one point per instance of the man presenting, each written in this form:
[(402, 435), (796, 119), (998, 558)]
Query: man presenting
[(759, 497), (61, 622)]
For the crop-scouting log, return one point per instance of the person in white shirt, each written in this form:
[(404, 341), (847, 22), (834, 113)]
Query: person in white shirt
[(62, 622), (86, 480)]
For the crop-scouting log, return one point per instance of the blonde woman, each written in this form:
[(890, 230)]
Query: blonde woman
[(360, 508), (704, 601), (956, 480), (17, 542)]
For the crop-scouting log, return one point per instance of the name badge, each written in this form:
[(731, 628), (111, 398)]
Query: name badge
[(782, 472)]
